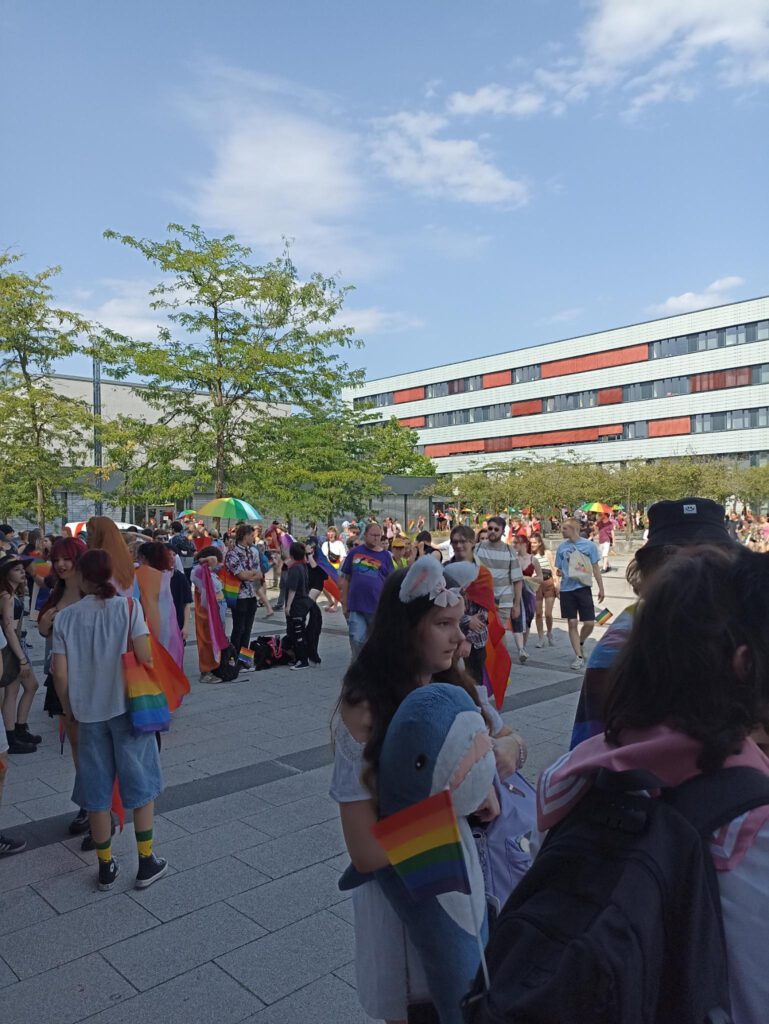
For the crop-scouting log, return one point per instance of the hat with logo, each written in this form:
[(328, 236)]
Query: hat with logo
[(687, 521)]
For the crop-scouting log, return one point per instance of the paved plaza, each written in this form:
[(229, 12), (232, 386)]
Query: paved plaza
[(250, 925)]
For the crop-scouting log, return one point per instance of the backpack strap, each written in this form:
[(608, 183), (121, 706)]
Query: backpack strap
[(710, 801)]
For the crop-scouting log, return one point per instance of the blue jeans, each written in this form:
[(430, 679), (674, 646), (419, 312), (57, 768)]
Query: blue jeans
[(358, 625)]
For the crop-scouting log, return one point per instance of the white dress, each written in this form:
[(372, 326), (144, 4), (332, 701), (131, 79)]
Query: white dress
[(387, 967)]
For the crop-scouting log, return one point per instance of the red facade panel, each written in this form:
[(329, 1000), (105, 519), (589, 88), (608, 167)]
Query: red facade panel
[(453, 448), (497, 444), (413, 421), (669, 428), (609, 396), (497, 380), (610, 431), (533, 405), (555, 437), (720, 379), (596, 361), (408, 395)]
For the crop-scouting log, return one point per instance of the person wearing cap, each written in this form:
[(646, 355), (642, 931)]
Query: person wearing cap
[(688, 523)]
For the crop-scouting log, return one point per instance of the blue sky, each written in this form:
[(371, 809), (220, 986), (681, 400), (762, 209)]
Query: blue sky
[(488, 175)]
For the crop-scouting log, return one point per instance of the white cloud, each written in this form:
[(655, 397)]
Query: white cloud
[(715, 294), (409, 151), (126, 310), (373, 320), (564, 316), (497, 99), (652, 51)]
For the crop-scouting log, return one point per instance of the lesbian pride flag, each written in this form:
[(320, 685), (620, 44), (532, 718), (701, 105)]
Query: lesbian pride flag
[(423, 845)]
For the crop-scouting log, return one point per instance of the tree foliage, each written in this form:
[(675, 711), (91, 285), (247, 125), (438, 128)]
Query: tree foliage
[(245, 342)]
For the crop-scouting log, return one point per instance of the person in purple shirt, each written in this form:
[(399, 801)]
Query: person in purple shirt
[(363, 573)]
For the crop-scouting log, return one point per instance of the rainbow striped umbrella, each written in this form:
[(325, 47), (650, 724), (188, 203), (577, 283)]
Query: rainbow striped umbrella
[(595, 506), (229, 508)]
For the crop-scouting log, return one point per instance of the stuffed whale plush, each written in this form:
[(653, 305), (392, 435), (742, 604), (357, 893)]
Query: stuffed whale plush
[(438, 739)]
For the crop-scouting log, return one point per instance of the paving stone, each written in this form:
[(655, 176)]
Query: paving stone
[(11, 816), (347, 974), (17, 792), (328, 999), (292, 852), (205, 994), (211, 844), (240, 757), (344, 910), (21, 908), (35, 865), (66, 994), (46, 806), (277, 904), (153, 957), (312, 810), (205, 815), (297, 787), (39, 947), (78, 888), (284, 961), (198, 887), (7, 977)]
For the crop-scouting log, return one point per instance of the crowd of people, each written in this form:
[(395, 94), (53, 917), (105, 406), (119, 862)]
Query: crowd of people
[(677, 686)]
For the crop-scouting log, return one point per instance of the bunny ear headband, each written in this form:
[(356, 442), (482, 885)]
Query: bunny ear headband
[(427, 578)]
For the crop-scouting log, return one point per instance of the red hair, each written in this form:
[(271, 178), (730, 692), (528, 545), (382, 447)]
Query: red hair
[(70, 549)]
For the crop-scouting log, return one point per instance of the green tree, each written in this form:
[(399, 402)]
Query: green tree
[(44, 436), (244, 342)]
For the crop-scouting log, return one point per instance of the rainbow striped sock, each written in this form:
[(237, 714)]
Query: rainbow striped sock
[(104, 851), (144, 843)]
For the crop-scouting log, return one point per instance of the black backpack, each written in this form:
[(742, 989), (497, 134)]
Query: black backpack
[(618, 921), (229, 665)]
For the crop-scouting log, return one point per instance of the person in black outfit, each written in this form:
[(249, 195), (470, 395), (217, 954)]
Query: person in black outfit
[(303, 617), (182, 546)]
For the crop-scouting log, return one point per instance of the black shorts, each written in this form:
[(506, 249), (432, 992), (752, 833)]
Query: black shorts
[(578, 604)]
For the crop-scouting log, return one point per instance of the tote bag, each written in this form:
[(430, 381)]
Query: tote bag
[(147, 704)]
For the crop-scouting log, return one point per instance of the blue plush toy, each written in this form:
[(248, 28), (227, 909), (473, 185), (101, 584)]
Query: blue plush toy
[(438, 739)]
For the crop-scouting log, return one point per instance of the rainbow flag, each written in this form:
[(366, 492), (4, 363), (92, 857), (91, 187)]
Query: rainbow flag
[(231, 586), (603, 615), (423, 845), (246, 657), (331, 584)]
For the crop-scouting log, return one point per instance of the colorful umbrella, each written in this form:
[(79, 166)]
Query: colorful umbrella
[(229, 508), (618, 508), (187, 512), (595, 506)]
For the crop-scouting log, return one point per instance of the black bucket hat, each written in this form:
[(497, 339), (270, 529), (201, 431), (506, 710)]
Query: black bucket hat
[(687, 521)]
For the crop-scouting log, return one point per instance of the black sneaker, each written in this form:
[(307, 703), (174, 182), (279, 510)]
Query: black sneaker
[(299, 664), (17, 745), (88, 843), (150, 870), (108, 872), (79, 823), (22, 733), (9, 846)]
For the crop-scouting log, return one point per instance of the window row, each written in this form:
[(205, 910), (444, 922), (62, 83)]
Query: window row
[(576, 400), (707, 341), (525, 374), (375, 401), (454, 387), (482, 414), (739, 419)]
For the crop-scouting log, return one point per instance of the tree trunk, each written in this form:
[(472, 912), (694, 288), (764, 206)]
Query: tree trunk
[(40, 503)]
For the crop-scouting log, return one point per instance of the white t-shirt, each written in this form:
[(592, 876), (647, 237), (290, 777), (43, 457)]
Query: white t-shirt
[(93, 635), (336, 549)]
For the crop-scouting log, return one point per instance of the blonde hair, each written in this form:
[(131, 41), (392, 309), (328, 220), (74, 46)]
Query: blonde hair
[(102, 533)]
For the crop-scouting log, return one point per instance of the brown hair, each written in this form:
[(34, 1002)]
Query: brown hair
[(541, 542), (96, 568), (103, 534), (157, 556), (242, 531), (678, 667), (463, 531)]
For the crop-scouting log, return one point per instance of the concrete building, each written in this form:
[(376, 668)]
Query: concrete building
[(697, 384)]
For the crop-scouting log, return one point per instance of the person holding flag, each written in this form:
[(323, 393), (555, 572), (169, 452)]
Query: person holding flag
[(323, 575)]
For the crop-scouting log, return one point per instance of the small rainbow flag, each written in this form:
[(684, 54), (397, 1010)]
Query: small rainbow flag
[(602, 616), (423, 845), (231, 587), (246, 657)]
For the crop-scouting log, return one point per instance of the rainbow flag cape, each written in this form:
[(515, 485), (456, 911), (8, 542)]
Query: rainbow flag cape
[(246, 657), (603, 616), (496, 670), (424, 847), (166, 641), (331, 585)]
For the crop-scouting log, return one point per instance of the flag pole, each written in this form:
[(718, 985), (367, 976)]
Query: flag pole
[(481, 950)]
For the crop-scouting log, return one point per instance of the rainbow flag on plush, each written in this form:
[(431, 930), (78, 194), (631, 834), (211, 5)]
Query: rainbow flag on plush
[(496, 669), (246, 657), (231, 586), (423, 845)]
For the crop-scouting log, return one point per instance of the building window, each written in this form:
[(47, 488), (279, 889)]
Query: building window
[(739, 419), (373, 401), (708, 341), (524, 374), (634, 431)]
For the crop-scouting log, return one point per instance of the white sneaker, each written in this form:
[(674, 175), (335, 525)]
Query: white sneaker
[(540, 643), (550, 641), (578, 664), (523, 657)]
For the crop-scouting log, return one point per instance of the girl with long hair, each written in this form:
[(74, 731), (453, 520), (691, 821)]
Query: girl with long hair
[(64, 592), (104, 535), (532, 581), (89, 640), (413, 640), (689, 695), (12, 589), (547, 591)]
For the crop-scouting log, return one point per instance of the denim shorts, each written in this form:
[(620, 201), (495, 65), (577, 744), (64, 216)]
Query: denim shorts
[(107, 749)]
